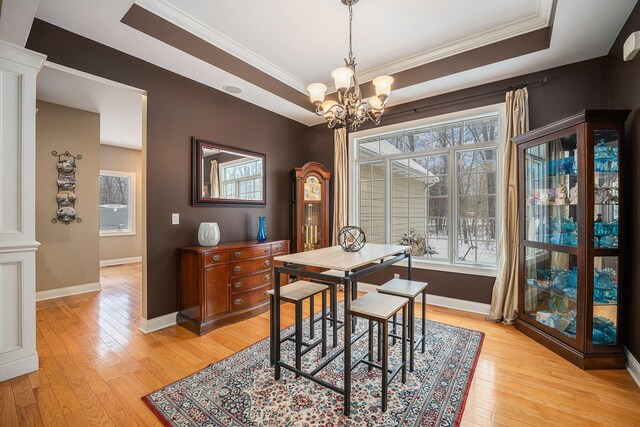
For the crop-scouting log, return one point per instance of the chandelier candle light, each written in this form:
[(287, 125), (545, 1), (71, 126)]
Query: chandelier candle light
[(350, 110)]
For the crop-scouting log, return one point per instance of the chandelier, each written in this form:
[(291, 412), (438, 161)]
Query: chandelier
[(350, 111)]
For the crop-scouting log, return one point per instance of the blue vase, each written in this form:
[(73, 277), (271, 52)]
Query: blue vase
[(262, 229)]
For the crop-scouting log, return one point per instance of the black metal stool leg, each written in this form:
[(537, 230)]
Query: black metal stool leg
[(379, 341), (334, 313), (324, 323), (411, 323), (424, 319), (385, 363), (395, 322), (298, 343), (272, 347), (404, 345), (354, 295), (312, 323), (370, 343)]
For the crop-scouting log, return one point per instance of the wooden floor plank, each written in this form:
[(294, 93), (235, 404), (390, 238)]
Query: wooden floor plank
[(96, 365)]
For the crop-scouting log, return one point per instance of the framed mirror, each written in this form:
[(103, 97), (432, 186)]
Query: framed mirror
[(227, 175)]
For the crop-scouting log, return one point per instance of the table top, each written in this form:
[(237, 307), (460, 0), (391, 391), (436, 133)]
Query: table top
[(335, 258)]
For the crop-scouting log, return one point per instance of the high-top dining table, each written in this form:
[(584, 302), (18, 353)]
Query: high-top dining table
[(355, 265)]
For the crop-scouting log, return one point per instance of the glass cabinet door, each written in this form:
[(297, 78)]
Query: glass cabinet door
[(551, 289), (605, 212), (605, 301), (551, 192)]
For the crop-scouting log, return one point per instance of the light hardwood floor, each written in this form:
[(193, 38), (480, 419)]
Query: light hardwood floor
[(95, 366)]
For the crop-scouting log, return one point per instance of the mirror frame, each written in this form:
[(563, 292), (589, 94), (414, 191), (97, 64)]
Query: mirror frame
[(196, 174)]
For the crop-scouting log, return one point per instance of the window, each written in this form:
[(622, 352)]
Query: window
[(242, 179), (436, 183), (116, 203)]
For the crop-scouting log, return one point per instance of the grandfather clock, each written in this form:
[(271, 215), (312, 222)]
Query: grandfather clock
[(310, 207)]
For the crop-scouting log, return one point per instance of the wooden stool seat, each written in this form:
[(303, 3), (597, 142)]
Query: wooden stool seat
[(299, 291), (403, 288), (377, 306)]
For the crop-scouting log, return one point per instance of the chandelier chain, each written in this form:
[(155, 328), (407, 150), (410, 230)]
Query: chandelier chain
[(350, 32)]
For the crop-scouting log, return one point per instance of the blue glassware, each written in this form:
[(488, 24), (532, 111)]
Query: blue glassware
[(608, 242), (603, 281), (572, 278), (560, 281), (613, 228), (600, 229), (262, 229)]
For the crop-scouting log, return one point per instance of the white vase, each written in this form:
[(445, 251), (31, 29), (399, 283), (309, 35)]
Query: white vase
[(208, 234)]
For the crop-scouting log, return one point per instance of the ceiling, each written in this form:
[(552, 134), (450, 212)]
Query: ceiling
[(277, 47), (120, 107)]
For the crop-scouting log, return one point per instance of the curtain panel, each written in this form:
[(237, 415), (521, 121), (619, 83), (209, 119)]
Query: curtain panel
[(340, 177), (504, 300)]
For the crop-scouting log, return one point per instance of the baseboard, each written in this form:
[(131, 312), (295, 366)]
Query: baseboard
[(69, 290), (18, 367), (457, 304), (120, 261), (151, 325), (632, 366)]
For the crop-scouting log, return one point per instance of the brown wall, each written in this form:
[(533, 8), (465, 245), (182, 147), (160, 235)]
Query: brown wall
[(570, 89), (624, 92), (123, 160), (177, 109), (69, 255)]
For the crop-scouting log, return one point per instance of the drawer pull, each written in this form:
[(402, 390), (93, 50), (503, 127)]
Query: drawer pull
[(237, 285), (278, 248), (267, 263), (237, 254), (267, 277), (216, 257), (266, 251), (237, 268), (238, 302)]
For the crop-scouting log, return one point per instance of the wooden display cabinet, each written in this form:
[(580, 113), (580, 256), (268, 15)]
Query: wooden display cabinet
[(571, 262), (310, 207)]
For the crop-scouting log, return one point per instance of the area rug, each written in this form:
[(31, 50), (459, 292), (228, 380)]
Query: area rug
[(240, 390)]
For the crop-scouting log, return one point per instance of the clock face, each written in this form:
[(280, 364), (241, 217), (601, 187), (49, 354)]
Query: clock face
[(312, 189)]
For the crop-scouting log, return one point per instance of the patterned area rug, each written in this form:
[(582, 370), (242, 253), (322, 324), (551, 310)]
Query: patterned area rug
[(241, 391)]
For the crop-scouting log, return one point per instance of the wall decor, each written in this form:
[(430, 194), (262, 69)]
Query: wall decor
[(228, 175), (66, 182)]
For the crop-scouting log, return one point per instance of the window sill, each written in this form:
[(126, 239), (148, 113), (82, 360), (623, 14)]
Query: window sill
[(460, 269), (116, 233)]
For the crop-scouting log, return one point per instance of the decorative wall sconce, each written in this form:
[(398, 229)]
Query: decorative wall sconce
[(66, 182)]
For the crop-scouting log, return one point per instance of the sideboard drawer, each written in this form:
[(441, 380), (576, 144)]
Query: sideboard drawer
[(247, 283), (216, 258), (248, 299), (243, 268), (280, 248), (260, 251)]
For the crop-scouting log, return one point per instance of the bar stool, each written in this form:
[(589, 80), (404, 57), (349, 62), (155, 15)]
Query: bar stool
[(380, 308), (296, 293), (409, 289)]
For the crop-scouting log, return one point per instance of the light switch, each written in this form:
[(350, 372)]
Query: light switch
[(175, 219)]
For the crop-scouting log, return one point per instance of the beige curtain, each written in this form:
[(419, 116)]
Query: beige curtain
[(504, 301), (339, 182), (214, 180)]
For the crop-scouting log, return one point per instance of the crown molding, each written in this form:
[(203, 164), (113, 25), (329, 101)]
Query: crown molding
[(172, 14), (541, 19)]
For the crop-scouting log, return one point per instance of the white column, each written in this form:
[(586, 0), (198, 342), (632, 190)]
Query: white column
[(18, 70)]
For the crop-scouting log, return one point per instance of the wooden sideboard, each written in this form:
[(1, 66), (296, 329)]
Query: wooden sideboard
[(223, 284)]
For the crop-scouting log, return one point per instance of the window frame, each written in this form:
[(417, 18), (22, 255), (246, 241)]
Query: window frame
[(131, 231), (451, 152), (236, 181)]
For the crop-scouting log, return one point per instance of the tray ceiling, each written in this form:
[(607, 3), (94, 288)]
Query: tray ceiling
[(277, 47)]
